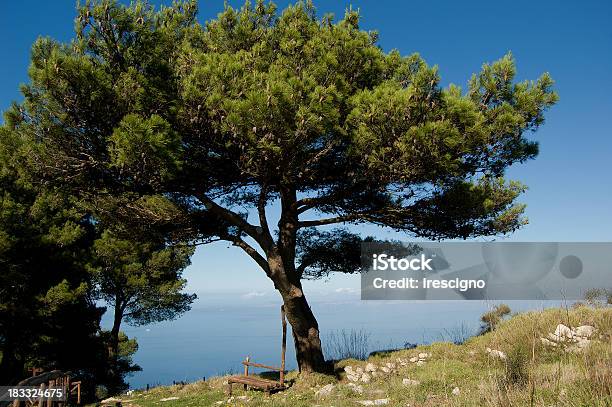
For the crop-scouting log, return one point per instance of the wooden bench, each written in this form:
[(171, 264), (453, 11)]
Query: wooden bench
[(268, 386)]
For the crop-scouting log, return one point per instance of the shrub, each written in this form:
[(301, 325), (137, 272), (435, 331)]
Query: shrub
[(516, 370), (492, 318)]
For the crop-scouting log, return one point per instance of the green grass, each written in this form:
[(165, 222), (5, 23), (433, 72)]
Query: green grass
[(532, 375)]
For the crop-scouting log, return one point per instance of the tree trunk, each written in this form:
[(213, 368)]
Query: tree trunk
[(305, 329), (114, 339), (304, 326)]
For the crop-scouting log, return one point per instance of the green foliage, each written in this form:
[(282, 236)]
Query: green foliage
[(516, 369), (136, 138), (47, 316), (142, 280), (491, 319), (258, 98), (180, 130)]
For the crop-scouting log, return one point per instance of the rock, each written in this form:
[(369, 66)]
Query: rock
[(325, 390), (547, 342), (410, 382), (377, 402), (348, 369), (366, 378), (563, 332), (356, 388), (496, 353), (370, 367), (391, 365), (414, 359), (352, 377), (423, 355), (456, 391), (420, 363), (585, 331), (385, 369), (169, 399), (112, 401), (375, 374), (359, 370)]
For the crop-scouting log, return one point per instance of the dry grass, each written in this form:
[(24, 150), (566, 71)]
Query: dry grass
[(532, 375)]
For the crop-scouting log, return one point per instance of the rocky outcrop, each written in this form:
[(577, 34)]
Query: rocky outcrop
[(570, 339)]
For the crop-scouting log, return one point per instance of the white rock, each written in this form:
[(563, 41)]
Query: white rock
[(496, 353), (423, 355), (366, 378), (385, 369), (378, 402), (325, 390), (375, 374), (356, 388), (348, 369), (391, 365), (420, 363), (169, 399), (370, 367), (359, 370), (111, 400), (563, 332), (352, 377), (414, 359), (410, 382), (456, 391), (585, 331)]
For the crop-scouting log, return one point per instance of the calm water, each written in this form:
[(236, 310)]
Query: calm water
[(212, 339)]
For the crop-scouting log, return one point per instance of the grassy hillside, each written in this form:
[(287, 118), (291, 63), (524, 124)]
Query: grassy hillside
[(510, 366)]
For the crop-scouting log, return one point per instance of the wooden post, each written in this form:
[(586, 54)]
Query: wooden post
[(284, 345), (49, 401), (41, 399), (246, 370)]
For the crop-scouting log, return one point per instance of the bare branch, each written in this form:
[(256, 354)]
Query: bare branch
[(329, 221), (250, 250), (236, 220), (261, 209)]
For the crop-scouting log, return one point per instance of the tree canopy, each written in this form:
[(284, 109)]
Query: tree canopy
[(191, 131)]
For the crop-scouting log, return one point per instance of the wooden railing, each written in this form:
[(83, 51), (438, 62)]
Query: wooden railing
[(55, 378)]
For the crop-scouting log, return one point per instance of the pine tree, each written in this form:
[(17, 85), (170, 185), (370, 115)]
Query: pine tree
[(193, 131)]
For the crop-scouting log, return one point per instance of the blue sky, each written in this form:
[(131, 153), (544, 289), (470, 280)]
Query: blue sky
[(570, 192)]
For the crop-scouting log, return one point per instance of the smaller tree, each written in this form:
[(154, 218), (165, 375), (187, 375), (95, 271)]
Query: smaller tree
[(491, 319), (142, 282)]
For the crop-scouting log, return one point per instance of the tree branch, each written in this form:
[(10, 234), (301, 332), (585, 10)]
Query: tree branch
[(261, 209), (329, 221), (250, 250), (236, 220)]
